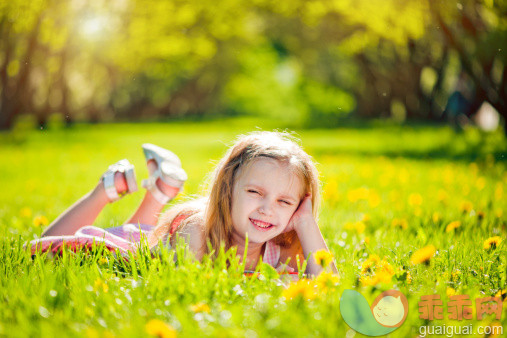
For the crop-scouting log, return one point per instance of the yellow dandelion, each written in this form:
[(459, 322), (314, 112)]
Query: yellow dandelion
[(450, 292), (367, 240), (501, 294), (368, 264), (103, 261), (492, 243), (90, 332), (386, 267), (409, 278), (415, 200), (330, 191), (377, 278), (399, 222), (442, 195), (25, 212), (369, 280), (481, 215), (99, 284), (466, 207), (357, 194), (480, 183), (498, 213), (374, 199), (200, 307), (157, 328), (303, 288), (359, 227), (40, 220), (323, 257), (498, 191), (452, 226), (455, 275), (436, 217), (365, 218), (496, 328), (326, 280), (423, 255)]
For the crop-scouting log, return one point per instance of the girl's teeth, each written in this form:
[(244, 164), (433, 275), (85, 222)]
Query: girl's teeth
[(261, 224)]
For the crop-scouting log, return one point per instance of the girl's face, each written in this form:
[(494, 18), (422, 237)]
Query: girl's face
[(265, 196)]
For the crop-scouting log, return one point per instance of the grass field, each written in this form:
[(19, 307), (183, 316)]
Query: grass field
[(388, 191)]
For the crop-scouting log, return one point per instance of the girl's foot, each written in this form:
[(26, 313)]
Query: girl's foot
[(166, 175), (119, 180)]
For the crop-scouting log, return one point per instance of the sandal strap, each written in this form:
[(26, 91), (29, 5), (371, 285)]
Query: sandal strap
[(151, 186), (109, 186), (122, 166)]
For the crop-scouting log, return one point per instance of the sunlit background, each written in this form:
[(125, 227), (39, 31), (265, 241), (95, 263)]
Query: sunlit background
[(307, 63)]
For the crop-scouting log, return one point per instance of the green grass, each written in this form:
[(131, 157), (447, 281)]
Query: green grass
[(426, 176)]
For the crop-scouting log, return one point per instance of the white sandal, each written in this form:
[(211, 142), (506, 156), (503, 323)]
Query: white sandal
[(122, 166), (168, 170)]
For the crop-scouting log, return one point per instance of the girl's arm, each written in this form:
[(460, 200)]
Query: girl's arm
[(309, 235)]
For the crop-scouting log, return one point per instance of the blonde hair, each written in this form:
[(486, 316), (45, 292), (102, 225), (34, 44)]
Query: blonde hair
[(214, 211)]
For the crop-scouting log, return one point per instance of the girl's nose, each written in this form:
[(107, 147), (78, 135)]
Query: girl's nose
[(266, 209)]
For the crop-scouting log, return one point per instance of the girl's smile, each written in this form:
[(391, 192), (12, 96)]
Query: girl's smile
[(265, 196)]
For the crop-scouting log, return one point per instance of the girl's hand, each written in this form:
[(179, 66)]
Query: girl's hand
[(284, 268), (302, 214)]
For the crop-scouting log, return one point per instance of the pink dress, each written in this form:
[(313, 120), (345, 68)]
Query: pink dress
[(123, 238)]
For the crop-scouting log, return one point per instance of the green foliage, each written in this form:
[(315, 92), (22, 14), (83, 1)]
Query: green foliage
[(147, 59)]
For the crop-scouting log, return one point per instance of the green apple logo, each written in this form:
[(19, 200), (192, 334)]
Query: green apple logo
[(386, 314)]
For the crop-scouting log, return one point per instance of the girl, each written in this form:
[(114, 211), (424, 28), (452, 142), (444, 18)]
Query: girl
[(265, 189)]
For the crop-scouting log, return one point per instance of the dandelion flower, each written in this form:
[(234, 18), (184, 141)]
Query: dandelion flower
[(303, 288), (436, 217), (200, 307), (480, 183), (357, 194), (409, 278), (399, 222), (501, 294), (374, 199), (157, 328), (423, 255), (323, 257), (368, 264), (25, 212), (386, 267), (442, 195), (326, 280), (377, 278), (492, 243), (40, 220), (466, 207), (452, 226), (450, 292), (99, 284), (375, 271), (480, 215), (103, 261), (498, 192), (415, 200)]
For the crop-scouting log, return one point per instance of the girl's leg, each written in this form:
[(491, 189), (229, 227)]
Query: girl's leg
[(149, 209), (85, 210)]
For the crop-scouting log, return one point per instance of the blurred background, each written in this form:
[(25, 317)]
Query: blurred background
[(304, 64)]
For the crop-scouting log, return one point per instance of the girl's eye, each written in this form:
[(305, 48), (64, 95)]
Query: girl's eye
[(253, 191), (286, 202)]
